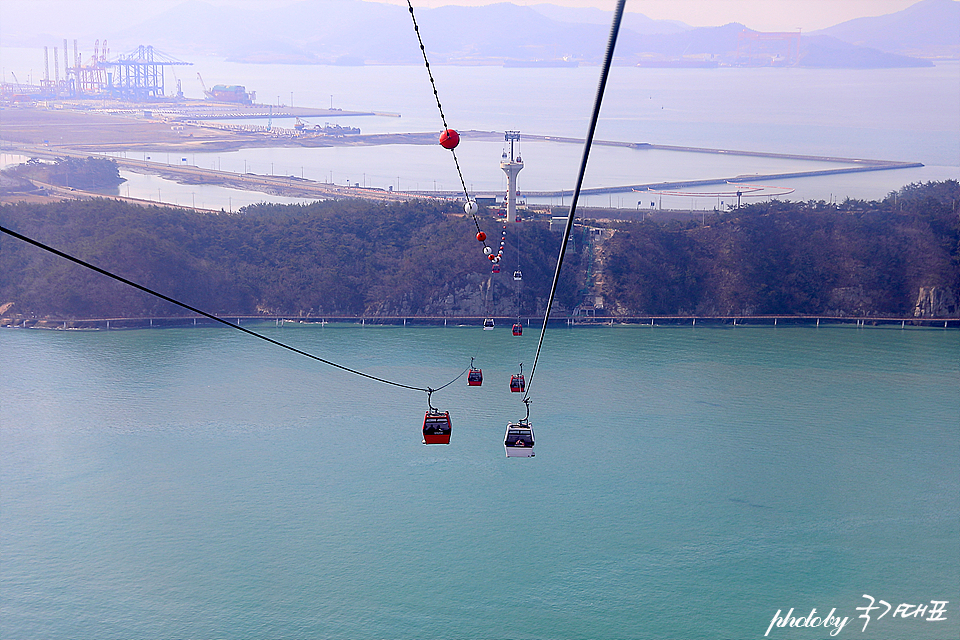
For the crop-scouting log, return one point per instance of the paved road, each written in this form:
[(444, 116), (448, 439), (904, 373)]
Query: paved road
[(281, 185)]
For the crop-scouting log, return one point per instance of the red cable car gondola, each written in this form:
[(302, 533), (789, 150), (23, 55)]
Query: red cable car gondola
[(517, 329), (436, 427), (517, 383), (475, 377), (436, 424)]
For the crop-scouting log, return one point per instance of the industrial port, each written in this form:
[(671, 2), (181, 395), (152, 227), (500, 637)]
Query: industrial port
[(125, 100)]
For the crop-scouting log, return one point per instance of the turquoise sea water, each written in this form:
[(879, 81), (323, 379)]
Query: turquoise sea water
[(688, 483)]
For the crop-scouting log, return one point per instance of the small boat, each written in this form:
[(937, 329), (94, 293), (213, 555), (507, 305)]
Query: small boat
[(488, 324), (518, 439), (436, 427)]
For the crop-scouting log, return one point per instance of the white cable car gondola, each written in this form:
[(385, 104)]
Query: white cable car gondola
[(488, 324), (518, 439), (518, 275)]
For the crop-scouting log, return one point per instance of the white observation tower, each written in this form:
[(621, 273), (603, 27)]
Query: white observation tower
[(511, 166)]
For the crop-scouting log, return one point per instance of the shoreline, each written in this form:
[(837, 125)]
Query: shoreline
[(504, 322)]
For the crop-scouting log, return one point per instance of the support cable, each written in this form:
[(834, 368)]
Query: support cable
[(443, 118), (82, 263), (471, 206), (605, 71), (436, 95)]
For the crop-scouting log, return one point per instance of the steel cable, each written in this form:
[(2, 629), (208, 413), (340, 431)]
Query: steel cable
[(605, 71), (443, 118), (114, 276)]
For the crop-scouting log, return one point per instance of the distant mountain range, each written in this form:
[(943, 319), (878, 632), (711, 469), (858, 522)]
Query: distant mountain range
[(928, 29), (357, 32)]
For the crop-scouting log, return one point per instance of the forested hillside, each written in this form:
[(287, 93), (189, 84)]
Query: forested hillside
[(333, 258), (857, 258), (79, 173), (353, 258)]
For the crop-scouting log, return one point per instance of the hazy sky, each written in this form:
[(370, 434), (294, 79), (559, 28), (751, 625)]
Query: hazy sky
[(763, 15)]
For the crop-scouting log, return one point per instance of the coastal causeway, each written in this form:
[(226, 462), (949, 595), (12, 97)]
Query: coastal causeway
[(79, 131)]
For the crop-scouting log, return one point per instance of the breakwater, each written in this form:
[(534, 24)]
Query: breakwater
[(851, 165)]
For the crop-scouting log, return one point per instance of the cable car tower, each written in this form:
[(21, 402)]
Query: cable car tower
[(511, 166)]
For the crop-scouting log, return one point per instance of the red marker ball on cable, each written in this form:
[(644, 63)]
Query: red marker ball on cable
[(481, 236), (449, 139)]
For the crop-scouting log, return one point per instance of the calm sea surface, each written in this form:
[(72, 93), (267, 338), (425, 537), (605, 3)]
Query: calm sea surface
[(688, 483)]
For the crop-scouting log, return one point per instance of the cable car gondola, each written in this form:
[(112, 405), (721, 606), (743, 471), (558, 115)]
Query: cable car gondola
[(518, 275), (436, 427), (475, 376), (517, 329), (517, 383), (518, 439), (436, 423), (496, 268), (488, 324)]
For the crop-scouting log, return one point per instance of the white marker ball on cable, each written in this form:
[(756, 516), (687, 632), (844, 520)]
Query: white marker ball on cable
[(471, 207), (487, 251)]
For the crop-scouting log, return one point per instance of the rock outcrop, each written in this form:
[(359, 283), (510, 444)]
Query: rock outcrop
[(936, 302)]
